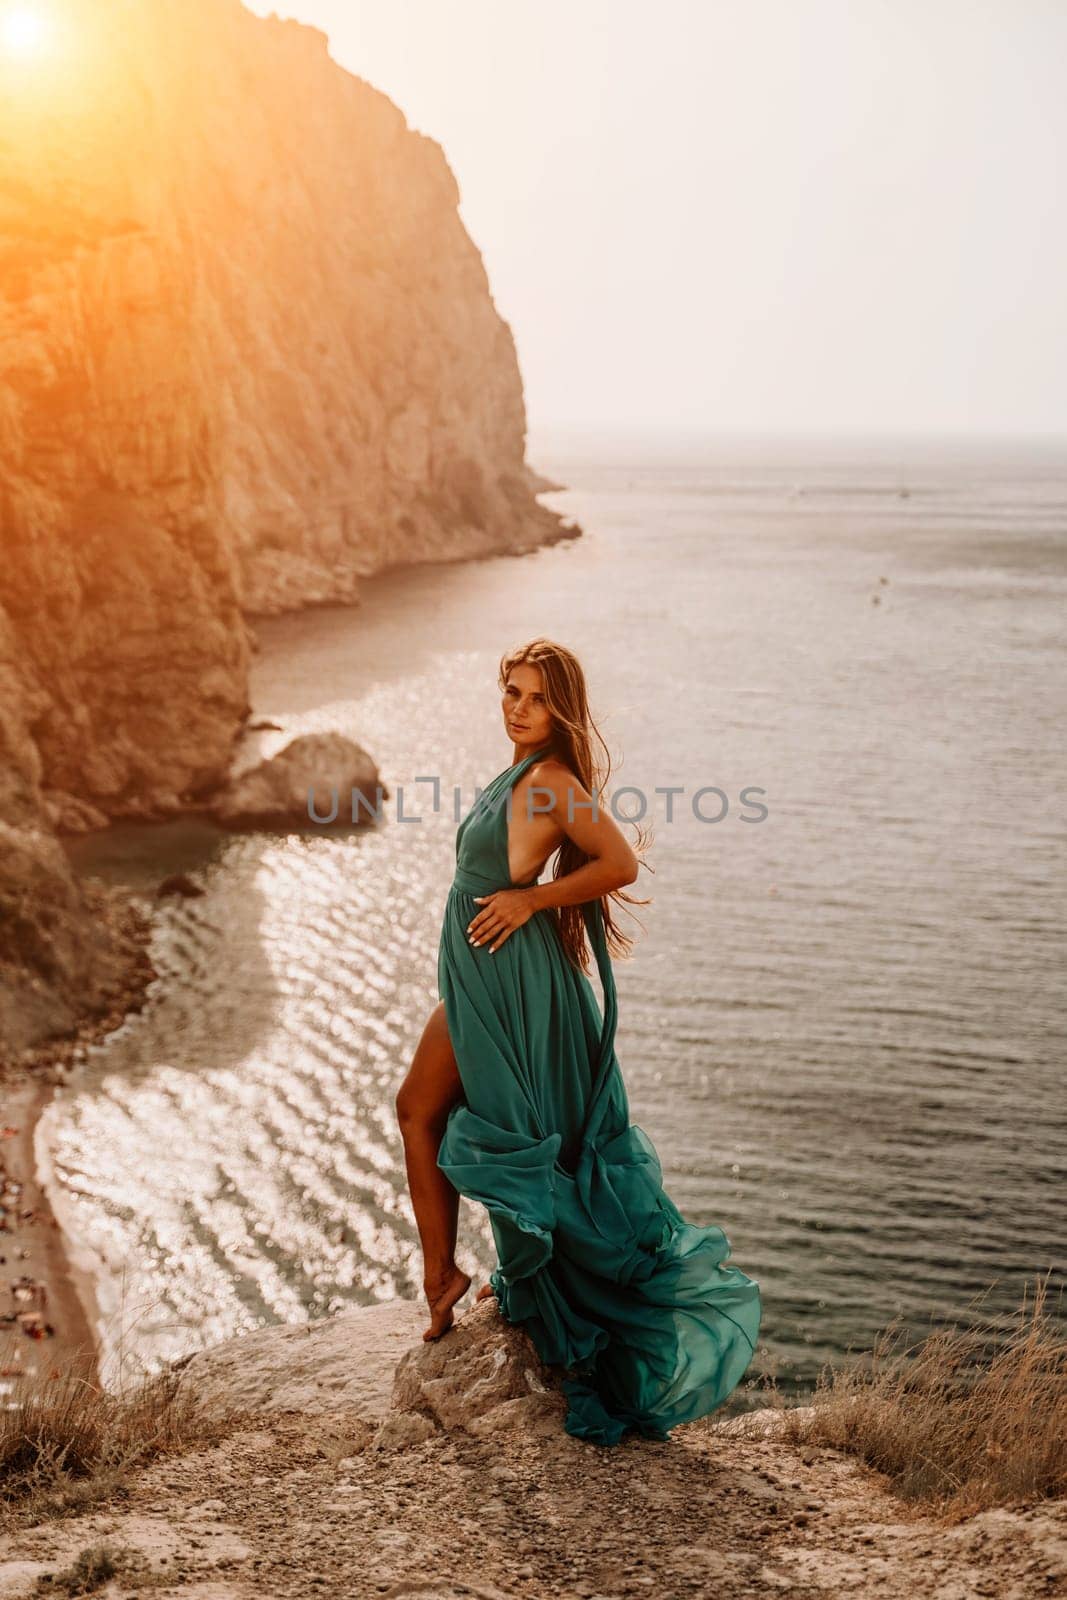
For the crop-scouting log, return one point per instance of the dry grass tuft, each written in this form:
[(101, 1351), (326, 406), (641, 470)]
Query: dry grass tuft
[(94, 1567), (966, 1419), (67, 1442)]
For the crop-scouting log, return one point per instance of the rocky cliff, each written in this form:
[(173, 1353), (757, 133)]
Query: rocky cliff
[(361, 1461), (248, 354)]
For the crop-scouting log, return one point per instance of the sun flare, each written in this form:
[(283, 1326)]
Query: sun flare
[(23, 31)]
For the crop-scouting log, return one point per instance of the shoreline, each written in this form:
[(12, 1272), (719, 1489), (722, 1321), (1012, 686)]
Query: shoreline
[(52, 1317), (33, 1247)]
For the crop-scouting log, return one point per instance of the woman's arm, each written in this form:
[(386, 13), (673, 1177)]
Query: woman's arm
[(613, 862)]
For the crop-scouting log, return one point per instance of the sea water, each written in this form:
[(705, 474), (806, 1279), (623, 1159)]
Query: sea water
[(843, 1023)]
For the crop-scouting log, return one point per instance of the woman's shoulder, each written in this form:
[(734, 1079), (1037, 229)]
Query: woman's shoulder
[(554, 773), (552, 766)]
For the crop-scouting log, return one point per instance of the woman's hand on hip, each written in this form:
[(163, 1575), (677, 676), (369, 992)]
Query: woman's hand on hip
[(502, 912)]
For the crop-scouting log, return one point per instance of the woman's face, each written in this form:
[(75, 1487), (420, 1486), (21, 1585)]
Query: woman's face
[(526, 717)]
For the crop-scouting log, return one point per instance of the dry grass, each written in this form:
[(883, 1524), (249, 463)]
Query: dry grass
[(966, 1419), (67, 1442), (96, 1565)]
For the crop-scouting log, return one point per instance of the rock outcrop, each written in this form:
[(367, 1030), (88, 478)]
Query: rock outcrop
[(483, 1377), (316, 780), (346, 1360), (363, 1461), (248, 355)]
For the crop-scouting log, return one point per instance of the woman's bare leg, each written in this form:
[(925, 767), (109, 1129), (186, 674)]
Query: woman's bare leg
[(425, 1097)]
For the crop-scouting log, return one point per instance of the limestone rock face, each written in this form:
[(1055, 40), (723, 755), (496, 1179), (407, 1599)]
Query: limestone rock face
[(65, 946), (248, 354), (325, 766)]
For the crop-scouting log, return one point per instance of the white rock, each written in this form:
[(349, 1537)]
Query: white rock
[(477, 1367), (342, 1361), (313, 778)]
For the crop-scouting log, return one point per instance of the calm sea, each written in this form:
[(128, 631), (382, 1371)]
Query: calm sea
[(843, 1026)]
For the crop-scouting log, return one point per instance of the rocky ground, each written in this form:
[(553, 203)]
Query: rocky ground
[(372, 1464)]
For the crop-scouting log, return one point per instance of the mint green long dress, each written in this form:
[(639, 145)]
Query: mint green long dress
[(596, 1263)]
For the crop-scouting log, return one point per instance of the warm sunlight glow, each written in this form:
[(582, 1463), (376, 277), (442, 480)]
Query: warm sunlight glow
[(23, 31)]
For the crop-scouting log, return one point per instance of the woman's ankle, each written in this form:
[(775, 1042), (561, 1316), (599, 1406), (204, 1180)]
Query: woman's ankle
[(440, 1280)]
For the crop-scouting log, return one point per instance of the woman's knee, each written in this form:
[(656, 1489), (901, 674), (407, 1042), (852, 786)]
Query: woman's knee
[(406, 1106), (432, 1085)]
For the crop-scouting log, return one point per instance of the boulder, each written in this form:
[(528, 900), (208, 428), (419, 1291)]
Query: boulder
[(482, 1376), (328, 766), (179, 883)]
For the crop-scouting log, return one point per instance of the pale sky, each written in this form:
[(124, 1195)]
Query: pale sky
[(766, 215)]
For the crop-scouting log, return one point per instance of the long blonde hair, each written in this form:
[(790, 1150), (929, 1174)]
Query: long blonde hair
[(573, 732)]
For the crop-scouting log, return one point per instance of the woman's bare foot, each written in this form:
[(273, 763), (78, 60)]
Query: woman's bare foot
[(442, 1297), (485, 1291)]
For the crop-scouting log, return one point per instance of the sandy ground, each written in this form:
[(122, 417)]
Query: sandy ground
[(288, 1510), (47, 1305), (361, 1490)]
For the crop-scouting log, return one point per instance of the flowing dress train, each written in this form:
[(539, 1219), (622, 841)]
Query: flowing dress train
[(596, 1263)]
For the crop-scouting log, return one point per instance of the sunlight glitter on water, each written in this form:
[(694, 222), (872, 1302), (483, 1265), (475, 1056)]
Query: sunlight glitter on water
[(843, 1028)]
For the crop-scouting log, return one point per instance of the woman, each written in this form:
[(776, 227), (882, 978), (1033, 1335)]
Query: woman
[(515, 1098)]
